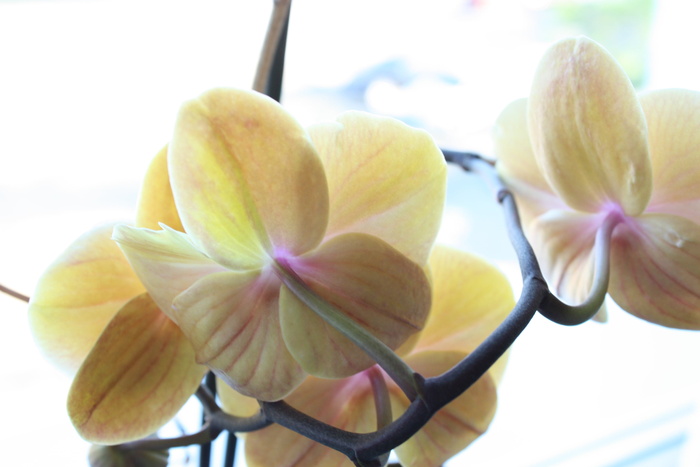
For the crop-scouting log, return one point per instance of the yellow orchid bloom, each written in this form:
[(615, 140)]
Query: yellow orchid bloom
[(350, 207), (90, 315), (471, 298), (583, 150)]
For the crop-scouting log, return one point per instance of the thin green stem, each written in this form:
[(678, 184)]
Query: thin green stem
[(571, 315), (396, 368)]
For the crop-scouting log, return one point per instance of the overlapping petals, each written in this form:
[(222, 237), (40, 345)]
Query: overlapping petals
[(129, 387), (257, 194), (92, 315), (606, 152), (472, 298)]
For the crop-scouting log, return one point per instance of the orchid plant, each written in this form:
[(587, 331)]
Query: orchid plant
[(298, 266)]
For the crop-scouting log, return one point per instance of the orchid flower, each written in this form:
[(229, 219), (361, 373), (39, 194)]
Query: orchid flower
[(471, 298), (585, 153), (348, 210), (91, 316)]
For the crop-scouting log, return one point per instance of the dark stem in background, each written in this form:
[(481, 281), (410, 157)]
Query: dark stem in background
[(205, 448), (268, 76), (13, 293), (231, 445), (273, 87)]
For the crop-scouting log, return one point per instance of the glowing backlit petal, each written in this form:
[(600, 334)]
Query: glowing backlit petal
[(235, 403), (232, 321), (464, 312), (587, 129), (165, 260), (245, 178), (656, 269), (128, 388), (367, 280), (456, 425), (673, 116), (156, 204), (385, 179), (563, 241), (78, 295), (346, 404), (516, 163)]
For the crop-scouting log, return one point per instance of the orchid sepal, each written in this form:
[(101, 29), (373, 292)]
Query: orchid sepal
[(588, 130)]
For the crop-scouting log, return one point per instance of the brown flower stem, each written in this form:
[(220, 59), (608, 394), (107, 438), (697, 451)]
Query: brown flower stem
[(206, 398), (268, 76), (208, 388), (13, 293)]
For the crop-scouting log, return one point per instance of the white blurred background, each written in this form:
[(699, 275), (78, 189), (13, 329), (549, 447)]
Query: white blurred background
[(88, 94)]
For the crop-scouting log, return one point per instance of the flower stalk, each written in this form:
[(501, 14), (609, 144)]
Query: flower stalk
[(571, 315), (13, 293)]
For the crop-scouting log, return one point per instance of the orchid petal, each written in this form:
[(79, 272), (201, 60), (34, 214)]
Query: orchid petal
[(563, 241), (470, 299), (588, 130), (232, 320), (385, 179), (235, 403), (78, 295), (368, 280), (517, 166), (139, 374), (156, 204), (346, 404), (655, 271), (246, 178), (456, 425), (673, 117), (165, 260)]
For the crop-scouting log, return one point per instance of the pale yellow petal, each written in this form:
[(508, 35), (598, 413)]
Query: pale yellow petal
[(673, 116), (370, 282), (563, 242), (588, 130), (235, 403), (137, 377), (656, 269), (166, 261), (470, 299), (347, 404), (385, 179), (232, 320), (517, 166), (246, 179), (156, 203), (78, 295), (456, 425)]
